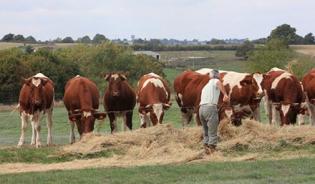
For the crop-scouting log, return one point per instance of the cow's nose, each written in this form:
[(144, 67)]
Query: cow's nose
[(37, 102), (115, 93)]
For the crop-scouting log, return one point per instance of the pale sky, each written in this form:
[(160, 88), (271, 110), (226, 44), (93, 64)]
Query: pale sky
[(179, 19)]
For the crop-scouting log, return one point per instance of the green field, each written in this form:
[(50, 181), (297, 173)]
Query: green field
[(283, 171)]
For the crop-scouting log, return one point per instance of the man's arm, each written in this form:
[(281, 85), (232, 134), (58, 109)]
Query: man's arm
[(223, 91)]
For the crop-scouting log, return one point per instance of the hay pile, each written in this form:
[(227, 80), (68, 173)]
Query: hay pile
[(166, 143)]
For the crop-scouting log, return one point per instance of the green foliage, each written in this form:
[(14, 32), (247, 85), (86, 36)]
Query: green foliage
[(85, 39), (8, 37), (301, 65), (99, 38), (19, 38), (284, 32), (275, 54), (30, 39), (67, 39), (216, 41), (244, 49), (309, 39)]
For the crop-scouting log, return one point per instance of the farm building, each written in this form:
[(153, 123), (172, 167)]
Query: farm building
[(149, 53)]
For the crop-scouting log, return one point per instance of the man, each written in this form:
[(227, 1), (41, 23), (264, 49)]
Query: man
[(208, 111)]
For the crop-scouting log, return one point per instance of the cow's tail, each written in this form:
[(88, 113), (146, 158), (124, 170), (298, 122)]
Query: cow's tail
[(16, 108)]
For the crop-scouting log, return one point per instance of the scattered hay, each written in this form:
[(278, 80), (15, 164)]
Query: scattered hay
[(164, 144)]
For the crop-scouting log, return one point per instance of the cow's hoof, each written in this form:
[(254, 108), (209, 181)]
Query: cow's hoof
[(38, 145), (33, 143), (20, 144)]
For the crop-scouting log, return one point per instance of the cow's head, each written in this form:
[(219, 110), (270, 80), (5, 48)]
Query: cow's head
[(154, 111), (85, 120), (258, 77), (37, 94), (114, 82), (250, 84)]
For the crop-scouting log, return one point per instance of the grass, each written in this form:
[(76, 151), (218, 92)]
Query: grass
[(304, 49), (7, 45), (283, 171)]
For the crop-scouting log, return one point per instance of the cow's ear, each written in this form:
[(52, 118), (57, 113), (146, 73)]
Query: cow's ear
[(107, 76), (27, 81), (75, 117), (99, 115), (123, 77), (44, 81), (167, 105)]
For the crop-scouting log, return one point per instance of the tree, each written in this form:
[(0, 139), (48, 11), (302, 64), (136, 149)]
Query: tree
[(19, 38), (99, 38), (285, 32), (244, 49), (275, 54), (216, 41), (30, 39), (309, 39), (85, 39), (67, 39), (8, 37)]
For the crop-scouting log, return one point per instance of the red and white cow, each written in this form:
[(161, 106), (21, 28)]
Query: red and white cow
[(244, 91), (188, 86), (81, 99), (119, 99), (153, 96), (308, 83), (284, 96), (36, 97)]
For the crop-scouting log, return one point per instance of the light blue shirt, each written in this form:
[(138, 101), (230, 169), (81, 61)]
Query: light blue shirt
[(210, 93)]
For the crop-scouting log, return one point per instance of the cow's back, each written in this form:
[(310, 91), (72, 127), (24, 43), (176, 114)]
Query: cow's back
[(153, 89), (81, 93)]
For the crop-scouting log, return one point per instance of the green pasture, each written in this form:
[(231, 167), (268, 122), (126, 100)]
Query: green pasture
[(283, 171)]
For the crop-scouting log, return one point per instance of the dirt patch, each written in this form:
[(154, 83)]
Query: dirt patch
[(165, 144)]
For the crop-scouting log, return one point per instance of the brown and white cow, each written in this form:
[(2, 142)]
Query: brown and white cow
[(308, 83), (188, 86), (36, 97), (153, 96), (284, 96), (244, 91), (119, 99), (81, 99)]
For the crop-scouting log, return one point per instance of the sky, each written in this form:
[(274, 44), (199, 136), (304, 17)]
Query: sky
[(178, 19)]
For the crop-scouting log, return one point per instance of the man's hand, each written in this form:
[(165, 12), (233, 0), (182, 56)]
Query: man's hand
[(226, 98)]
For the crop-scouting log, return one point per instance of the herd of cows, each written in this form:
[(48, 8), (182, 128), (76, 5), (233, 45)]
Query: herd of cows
[(286, 99)]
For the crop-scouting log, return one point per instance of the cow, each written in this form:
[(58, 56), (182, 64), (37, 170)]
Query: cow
[(284, 96), (81, 99), (153, 96), (119, 99), (188, 86), (36, 98), (244, 92), (308, 83)]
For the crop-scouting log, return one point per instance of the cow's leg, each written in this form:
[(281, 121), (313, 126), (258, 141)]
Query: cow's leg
[(274, 114), (72, 136), (256, 113), (128, 119), (24, 122), (37, 127), (49, 127), (33, 140), (312, 113), (112, 120), (187, 115), (284, 117), (143, 120)]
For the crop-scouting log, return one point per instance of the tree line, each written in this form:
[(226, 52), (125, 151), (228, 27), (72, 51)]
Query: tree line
[(92, 61)]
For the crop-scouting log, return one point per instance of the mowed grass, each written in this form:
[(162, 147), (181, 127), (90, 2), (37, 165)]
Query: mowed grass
[(282, 171)]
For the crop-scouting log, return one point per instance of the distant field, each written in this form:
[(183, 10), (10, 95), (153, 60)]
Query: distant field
[(304, 49), (182, 60), (7, 45)]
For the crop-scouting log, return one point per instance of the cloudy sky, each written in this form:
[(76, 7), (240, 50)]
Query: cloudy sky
[(179, 19)]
